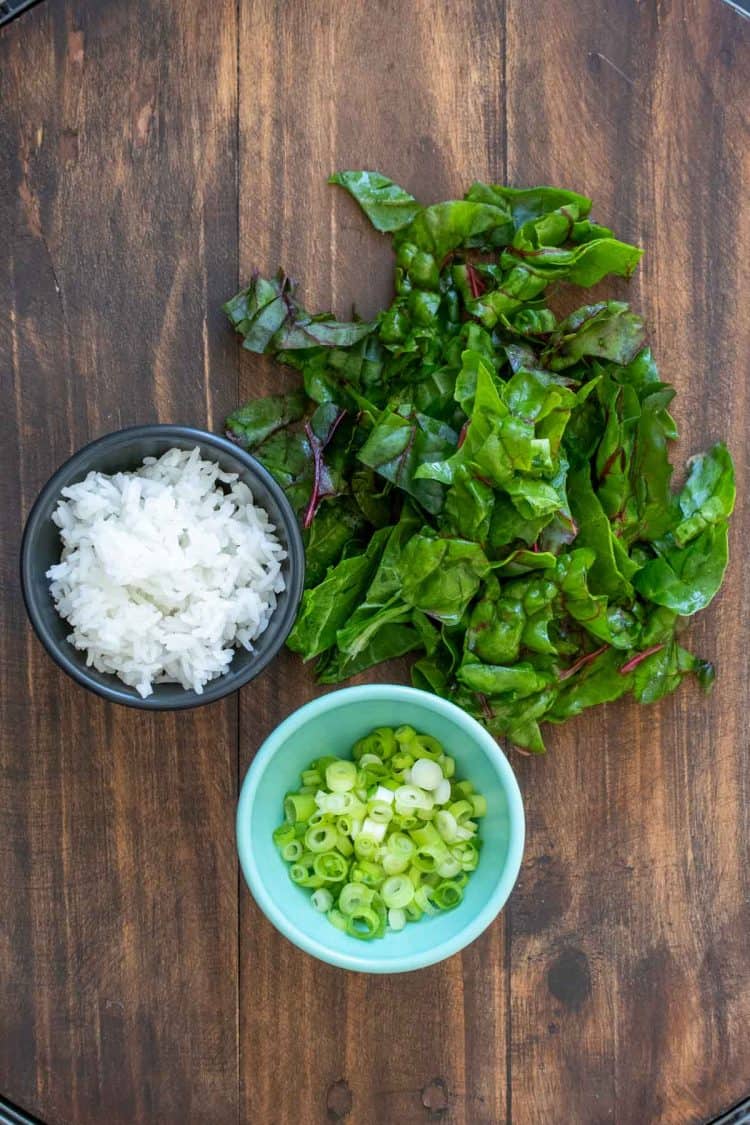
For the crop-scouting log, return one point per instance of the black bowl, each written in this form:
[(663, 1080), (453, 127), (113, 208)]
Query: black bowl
[(126, 449)]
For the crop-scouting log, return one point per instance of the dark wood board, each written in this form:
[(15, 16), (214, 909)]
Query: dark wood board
[(152, 154), (118, 935)]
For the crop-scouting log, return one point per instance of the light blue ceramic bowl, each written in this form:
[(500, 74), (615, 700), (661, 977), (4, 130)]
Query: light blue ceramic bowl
[(331, 725)]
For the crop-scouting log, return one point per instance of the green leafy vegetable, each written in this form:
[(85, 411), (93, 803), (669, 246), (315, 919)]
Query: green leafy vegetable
[(387, 206), (482, 484)]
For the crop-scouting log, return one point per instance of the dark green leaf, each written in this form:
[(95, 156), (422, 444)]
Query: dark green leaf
[(441, 576), (709, 494), (493, 679), (599, 682), (258, 419), (326, 608), (399, 444), (444, 227), (607, 330), (686, 579), (387, 206), (337, 524)]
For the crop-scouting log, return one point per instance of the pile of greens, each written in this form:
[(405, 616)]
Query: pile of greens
[(481, 483)]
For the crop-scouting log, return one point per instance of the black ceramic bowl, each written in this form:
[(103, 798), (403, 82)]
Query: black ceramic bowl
[(126, 449)]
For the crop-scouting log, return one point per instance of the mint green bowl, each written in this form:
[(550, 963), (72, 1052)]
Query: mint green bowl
[(331, 725)]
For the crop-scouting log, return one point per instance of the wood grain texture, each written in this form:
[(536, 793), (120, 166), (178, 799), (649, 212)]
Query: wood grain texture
[(151, 154), (118, 933), (629, 949)]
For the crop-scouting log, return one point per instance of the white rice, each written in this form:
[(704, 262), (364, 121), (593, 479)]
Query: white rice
[(163, 572)]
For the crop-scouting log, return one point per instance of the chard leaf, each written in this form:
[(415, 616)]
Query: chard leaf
[(708, 496), (387, 206), (326, 608), (687, 578), (482, 484), (258, 419), (444, 227), (399, 444), (441, 576)]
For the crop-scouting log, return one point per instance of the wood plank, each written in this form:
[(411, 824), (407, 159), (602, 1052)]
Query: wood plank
[(118, 210), (631, 998), (324, 87)]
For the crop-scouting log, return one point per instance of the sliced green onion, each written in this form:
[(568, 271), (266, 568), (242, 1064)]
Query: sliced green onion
[(405, 735), (373, 829), (322, 900), (400, 844), (368, 760), (446, 824), (398, 890), (448, 867), (385, 838), (365, 923), (447, 895), (321, 838), (332, 867), (353, 896), (337, 919), (466, 854), (427, 834), (447, 765), (298, 806), (284, 834), (382, 742), (410, 798), (395, 865), (379, 811), (341, 776), (442, 794), (462, 810), (321, 764), (423, 899), (396, 918), (349, 824), (302, 876), (428, 856), (364, 871), (426, 774), (429, 747), (406, 822), (479, 804), (365, 847)]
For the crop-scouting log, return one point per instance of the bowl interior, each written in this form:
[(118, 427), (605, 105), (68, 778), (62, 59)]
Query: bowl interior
[(340, 720), (125, 451)]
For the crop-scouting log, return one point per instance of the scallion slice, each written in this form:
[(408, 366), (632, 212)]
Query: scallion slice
[(384, 839)]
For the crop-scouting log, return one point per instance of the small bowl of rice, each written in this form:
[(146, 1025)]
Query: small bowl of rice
[(162, 567)]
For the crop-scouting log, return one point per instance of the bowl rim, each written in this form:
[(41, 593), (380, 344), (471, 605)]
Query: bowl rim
[(371, 963), (218, 688)]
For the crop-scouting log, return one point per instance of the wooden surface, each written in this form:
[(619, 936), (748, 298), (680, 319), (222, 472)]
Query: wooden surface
[(151, 154)]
